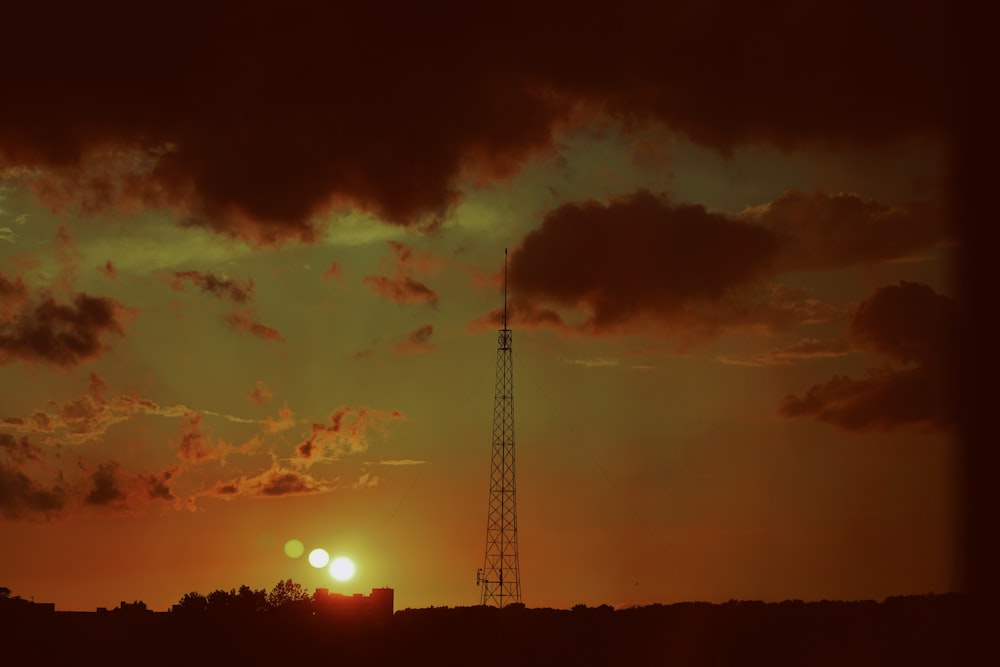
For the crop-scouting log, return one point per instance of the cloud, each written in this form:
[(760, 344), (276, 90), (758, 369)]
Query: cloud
[(402, 287), (238, 292), (401, 462), (61, 334), (824, 231), (108, 270), (641, 261), (595, 362), (208, 282), (417, 341), (105, 489), (912, 325), (347, 433), (21, 497), (333, 272), (88, 417), (196, 447), (802, 349), (524, 312), (285, 420), (637, 258), (273, 144), (156, 485), (20, 450), (273, 482), (245, 321), (261, 393)]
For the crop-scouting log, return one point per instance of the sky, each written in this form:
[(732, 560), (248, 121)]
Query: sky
[(251, 263)]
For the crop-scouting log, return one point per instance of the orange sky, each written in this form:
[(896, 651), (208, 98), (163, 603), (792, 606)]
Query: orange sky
[(248, 293)]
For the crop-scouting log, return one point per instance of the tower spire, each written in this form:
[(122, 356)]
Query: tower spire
[(500, 575), (505, 288)]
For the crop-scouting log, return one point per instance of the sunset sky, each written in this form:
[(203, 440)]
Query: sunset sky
[(250, 270)]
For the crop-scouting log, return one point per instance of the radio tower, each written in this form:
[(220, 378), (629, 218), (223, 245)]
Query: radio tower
[(500, 576)]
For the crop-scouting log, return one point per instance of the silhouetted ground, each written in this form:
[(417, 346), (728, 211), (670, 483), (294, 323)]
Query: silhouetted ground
[(910, 630)]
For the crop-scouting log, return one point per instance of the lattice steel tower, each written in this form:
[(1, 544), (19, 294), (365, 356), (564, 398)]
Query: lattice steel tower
[(500, 575)]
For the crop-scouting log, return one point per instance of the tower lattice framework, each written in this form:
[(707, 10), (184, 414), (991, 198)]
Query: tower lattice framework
[(500, 576)]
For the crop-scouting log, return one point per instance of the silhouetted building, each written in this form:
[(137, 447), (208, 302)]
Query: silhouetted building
[(377, 606)]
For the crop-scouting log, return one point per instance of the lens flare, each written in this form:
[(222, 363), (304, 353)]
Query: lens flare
[(319, 558), (294, 548), (342, 568)]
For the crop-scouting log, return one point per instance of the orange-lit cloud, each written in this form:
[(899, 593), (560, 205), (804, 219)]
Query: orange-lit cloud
[(346, 434), (285, 420), (194, 446), (912, 325), (333, 272), (275, 481), (401, 286), (261, 393), (245, 321), (417, 341)]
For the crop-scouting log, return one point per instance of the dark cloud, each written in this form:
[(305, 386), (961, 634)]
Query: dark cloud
[(637, 258), (910, 324), (263, 120), (104, 486), (22, 497), (55, 333), (156, 485), (209, 282), (108, 270), (641, 260), (823, 231), (20, 450)]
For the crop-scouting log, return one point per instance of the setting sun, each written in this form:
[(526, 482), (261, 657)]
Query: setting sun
[(342, 568)]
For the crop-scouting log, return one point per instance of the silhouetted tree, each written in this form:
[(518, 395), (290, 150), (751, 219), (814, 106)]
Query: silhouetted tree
[(220, 600), (193, 602), (250, 600), (4, 592), (286, 592)]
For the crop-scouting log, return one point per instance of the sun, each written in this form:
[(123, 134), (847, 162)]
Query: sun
[(342, 568)]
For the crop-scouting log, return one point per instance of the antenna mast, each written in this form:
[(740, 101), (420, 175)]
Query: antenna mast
[(500, 575)]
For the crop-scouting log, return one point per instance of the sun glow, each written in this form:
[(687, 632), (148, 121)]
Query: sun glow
[(342, 568)]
